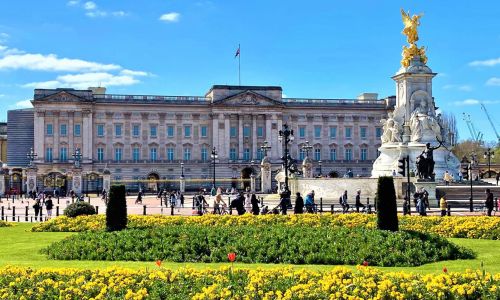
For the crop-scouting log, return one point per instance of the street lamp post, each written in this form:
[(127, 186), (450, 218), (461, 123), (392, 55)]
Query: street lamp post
[(182, 170), (468, 168), (489, 155), (307, 147), (319, 163), (286, 136), (265, 148), (31, 157), (214, 157)]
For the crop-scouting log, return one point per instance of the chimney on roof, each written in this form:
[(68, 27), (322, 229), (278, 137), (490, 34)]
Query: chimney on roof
[(98, 90), (368, 96)]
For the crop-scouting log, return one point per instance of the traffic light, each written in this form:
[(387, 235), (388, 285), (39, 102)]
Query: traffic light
[(465, 172), (402, 166)]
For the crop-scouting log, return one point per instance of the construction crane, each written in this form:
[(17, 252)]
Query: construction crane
[(491, 122), (477, 136)]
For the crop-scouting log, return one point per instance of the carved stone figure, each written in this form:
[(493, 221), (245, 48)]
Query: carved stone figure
[(392, 130), (425, 161), (423, 118)]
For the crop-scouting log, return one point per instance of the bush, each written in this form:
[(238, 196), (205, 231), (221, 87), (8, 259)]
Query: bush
[(294, 245), (79, 209), (116, 212), (387, 210)]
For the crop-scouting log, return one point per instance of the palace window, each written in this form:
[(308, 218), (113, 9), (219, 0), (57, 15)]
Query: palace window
[(317, 132), (348, 132), (204, 131), (302, 154), (170, 154), (118, 130), (302, 132), (187, 131), (136, 153), (63, 154), (170, 130), (118, 154), (362, 132), (77, 131), (378, 132), (317, 154), (246, 154), (333, 132), (153, 129), (153, 154), (348, 154), (333, 154), (246, 131), (63, 130), (364, 154), (50, 129), (204, 154), (233, 132), (48, 155), (232, 154), (260, 131), (100, 130), (260, 154), (187, 153), (136, 130), (100, 154)]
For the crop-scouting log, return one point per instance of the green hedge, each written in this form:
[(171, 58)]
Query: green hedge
[(274, 244), (79, 209)]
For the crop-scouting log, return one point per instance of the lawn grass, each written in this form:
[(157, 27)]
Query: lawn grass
[(20, 247)]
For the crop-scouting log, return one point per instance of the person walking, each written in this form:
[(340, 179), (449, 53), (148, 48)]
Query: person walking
[(498, 177), (421, 206), (248, 203), (310, 203), (343, 202), (447, 178), (489, 202), (299, 204), (239, 203), (37, 207), (255, 204), (181, 198), (443, 205), (358, 201), (49, 205), (138, 200), (284, 200)]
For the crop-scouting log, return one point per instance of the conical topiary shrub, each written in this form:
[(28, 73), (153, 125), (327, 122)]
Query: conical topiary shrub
[(116, 212), (387, 211)]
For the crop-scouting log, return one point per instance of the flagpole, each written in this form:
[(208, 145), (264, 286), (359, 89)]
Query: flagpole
[(239, 65)]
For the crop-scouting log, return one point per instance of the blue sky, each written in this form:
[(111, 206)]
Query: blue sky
[(317, 49)]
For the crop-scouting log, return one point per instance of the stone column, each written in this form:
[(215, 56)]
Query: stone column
[(215, 131), (240, 136), (182, 184), (227, 134), (254, 136), (87, 144), (279, 148), (252, 183), (265, 175), (106, 180), (55, 130), (269, 137), (2, 183), (39, 131), (77, 181), (31, 180)]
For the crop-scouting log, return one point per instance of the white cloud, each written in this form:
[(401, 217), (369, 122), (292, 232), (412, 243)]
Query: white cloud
[(96, 13), (24, 104), (2, 95), (3, 48), (51, 62), (485, 63), (464, 87), (119, 13), (89, 5), (4, 36), (170, 17), (85, 80), (475, 102), (73, 3), (134, 73), (495, 81)]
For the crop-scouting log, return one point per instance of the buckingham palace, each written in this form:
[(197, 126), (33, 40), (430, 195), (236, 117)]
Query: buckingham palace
[(159, 138)]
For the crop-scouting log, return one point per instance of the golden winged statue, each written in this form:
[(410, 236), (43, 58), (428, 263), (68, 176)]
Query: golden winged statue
[(410, 30)]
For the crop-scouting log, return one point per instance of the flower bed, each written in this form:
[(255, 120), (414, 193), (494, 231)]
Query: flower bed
[(456, 227), (272, 244), (279, 283), (5, 224)]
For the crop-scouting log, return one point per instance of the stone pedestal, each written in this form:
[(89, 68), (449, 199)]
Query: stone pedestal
[(106, 180), (265, 175), (430, 187), (182, 184), (252, 183), (307, 171), (31, 179), (77, 181)]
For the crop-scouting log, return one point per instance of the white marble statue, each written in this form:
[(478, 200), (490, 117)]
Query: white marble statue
[(424, 118), (392, 130)]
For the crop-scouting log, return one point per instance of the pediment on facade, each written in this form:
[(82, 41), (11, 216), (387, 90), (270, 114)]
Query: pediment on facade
[(248, 98), (62, 96)]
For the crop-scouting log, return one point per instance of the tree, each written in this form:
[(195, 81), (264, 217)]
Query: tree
[(449, 128), (387, 211), (116, 211)]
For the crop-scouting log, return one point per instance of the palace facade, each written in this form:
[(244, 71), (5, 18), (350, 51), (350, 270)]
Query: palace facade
[(140, 138)]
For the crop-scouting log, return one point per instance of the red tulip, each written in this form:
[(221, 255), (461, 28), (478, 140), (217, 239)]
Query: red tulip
[(231, 256), (365, 263), (445, 270), (158, 263)]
